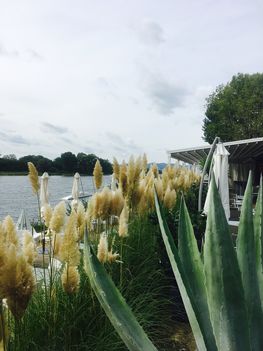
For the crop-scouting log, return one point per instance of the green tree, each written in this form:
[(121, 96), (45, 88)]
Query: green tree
[(69, 162), (235, 110)]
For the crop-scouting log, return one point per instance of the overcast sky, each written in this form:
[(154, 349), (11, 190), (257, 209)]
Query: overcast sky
[(118, 77)]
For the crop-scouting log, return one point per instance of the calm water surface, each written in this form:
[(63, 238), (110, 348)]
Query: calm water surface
[(16, 193)]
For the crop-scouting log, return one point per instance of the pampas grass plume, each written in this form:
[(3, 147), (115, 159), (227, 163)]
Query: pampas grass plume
[(116, 169), (17, 282), (117, 203), (169, 198), (98, 174), (47, 214), (33, 177), (70, 279), (58, 217), (123, 224), (69, 251), (112, 256), (28, 248), (10, 229), (80, 220), (144, 163), (102, 253), (155, 170), (123, 179)]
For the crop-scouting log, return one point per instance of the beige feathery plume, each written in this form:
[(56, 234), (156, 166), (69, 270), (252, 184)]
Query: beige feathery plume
[(112, 256), (117, 202), (2, 234), (149, 193), (105, 203), (123, 179), (17, 282), (33, 177), (133, 178), (80, 220), (116, 169), (3, 252), (131, 170), (10, 229), (144, 163), (98, 174), (159, 188), (28, 248), (143, 205), (58, 217), (47, 214), (69, 251), (165, 180), (90, 213), (171, 171), (103, 250), (123, 223), (102, 203), (155, 170), (169, 198), (70, 279), (57, 240)]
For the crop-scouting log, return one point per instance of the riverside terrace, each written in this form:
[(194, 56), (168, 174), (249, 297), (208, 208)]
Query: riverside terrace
[(244, 155)]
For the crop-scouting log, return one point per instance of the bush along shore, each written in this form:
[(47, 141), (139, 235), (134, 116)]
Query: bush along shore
[(109, 284), (66, 164)]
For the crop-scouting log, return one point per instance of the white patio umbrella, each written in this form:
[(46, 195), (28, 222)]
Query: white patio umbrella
[(44, 190), (75, 191), (75, 187), (220, 169)]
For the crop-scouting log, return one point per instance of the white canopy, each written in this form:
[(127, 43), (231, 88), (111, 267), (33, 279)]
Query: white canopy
[(220, 169)]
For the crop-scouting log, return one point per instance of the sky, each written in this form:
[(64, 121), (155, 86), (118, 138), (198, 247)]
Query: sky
[(118, 77)]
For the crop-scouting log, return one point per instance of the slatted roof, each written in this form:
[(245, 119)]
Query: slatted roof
[(240, 151)]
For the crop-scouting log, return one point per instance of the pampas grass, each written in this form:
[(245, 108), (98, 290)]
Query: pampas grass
[(58, 217), (33, 177), (98, 175)]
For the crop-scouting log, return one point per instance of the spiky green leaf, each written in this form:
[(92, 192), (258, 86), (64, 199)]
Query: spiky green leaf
[(246, 254), (194, 269), (114, 304), (258, 233), (202, 338), (223, 281)]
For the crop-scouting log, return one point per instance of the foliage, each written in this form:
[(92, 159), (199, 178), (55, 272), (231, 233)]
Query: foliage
[(235, 110), (221, 291), (66, 163), (77, 322), (63, 312)]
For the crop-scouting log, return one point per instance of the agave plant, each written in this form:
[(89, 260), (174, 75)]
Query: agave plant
[(114, 305), (222, 287)]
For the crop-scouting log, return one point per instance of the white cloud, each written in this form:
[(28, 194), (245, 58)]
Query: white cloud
[(79, 68), (150, 33)]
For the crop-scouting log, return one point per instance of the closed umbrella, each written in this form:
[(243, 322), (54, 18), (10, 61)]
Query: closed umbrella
[(220, 169), (75, 191), (44, 190), (75, 187)]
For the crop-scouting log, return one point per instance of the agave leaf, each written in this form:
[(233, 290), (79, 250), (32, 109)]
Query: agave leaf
[(114, 304), (194, 269), (203, 339), (246, 255), (225, 292), (258, 234)]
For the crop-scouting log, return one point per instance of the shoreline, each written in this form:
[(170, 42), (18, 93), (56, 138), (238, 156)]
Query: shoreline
[(50, 174)]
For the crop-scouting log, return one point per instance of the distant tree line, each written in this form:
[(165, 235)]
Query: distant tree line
[(67, 163)]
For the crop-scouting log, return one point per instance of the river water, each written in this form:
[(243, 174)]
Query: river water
[(16, 193)]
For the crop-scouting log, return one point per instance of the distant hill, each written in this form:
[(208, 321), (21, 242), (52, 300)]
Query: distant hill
[(160, 166)]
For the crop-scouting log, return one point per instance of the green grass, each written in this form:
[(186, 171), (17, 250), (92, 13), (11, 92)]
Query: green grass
[(78, 322)]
